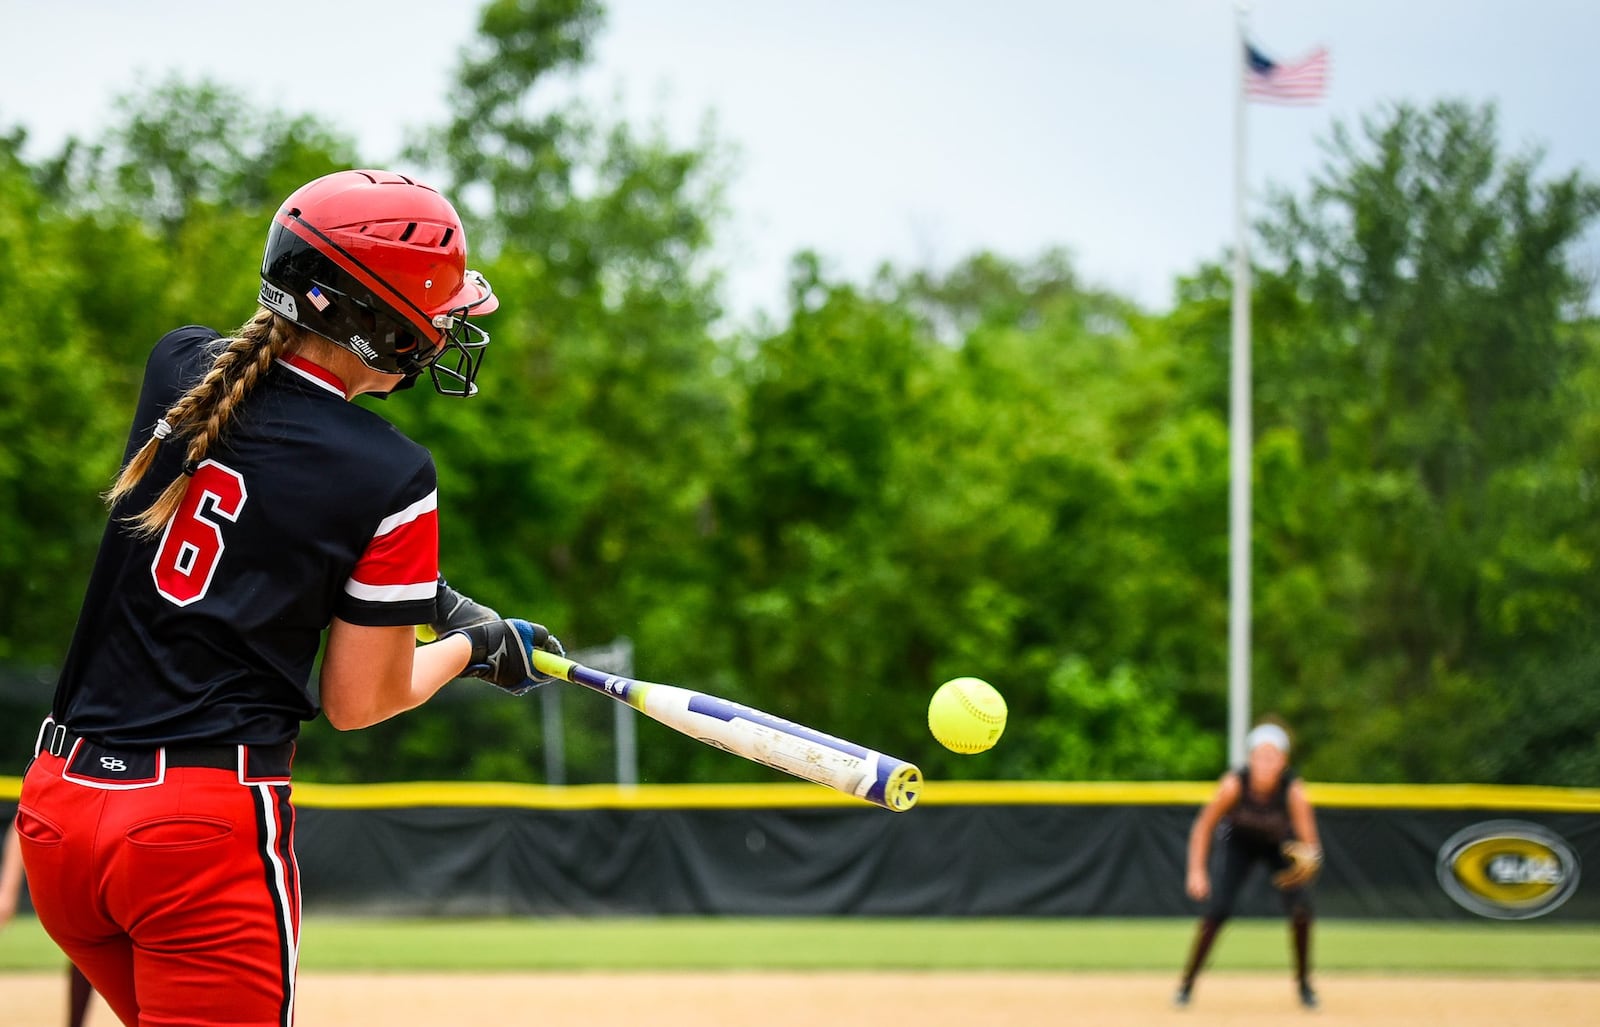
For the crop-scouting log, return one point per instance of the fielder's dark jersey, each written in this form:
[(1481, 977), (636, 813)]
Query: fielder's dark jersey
[(308, 507), (1262, 820)]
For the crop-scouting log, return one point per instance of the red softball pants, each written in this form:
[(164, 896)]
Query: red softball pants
[(173, 888)]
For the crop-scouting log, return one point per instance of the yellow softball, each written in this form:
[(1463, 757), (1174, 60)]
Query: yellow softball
[(966, 715)]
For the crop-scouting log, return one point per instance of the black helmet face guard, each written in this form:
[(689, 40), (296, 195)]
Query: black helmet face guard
[(301, 283), (454, 367)]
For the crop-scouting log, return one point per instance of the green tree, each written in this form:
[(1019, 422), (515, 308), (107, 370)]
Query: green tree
[(996, 469), (98, 264), (1416, 360), (58, 433), (577, 488)]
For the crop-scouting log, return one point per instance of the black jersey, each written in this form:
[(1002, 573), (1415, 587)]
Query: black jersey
[(1262, 820), (308, 507)]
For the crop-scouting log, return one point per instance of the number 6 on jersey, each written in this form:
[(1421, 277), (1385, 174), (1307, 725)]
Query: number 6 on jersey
[(192, 545)]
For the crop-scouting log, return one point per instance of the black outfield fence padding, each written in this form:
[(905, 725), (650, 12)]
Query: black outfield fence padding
[(969, 849)]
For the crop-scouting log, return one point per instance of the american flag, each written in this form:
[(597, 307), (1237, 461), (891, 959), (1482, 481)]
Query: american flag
[(1304, 81)]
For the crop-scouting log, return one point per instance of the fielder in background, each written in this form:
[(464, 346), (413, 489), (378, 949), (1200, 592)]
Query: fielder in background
[(78, 991), (1266, 818), (256, 511)]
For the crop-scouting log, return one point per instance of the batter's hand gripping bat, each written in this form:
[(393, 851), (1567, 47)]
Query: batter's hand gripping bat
[(761, 737)]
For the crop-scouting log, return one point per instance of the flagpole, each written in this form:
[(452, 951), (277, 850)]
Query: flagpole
[(1239, 430)]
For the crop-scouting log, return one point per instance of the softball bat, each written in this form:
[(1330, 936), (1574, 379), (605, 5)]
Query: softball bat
[(760, 737)]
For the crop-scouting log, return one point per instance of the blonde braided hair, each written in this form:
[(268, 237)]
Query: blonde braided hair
[(202, 414)]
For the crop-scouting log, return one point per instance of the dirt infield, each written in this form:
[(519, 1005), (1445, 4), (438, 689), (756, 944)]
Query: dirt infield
[(848, 999)]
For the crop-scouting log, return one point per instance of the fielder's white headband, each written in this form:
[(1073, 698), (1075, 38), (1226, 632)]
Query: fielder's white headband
[(1267, 734)]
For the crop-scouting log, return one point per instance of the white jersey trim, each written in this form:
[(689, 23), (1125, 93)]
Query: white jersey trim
[(426, 505), (313, 379), (391, 593)]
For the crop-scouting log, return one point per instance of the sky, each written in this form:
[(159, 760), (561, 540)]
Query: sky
[(912, 131)]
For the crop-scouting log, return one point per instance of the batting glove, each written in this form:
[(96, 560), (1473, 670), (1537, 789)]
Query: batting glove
[(454, 611), (502, 653)]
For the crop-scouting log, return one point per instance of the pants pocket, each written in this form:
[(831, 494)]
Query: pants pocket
[(185, 831), (36, 829)]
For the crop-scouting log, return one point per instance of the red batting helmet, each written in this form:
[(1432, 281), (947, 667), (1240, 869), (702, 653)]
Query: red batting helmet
[(377, 263)]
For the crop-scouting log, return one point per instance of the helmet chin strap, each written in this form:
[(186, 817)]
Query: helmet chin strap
[(407, 382)]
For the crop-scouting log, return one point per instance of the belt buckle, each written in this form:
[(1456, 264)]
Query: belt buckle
[(56, 735)]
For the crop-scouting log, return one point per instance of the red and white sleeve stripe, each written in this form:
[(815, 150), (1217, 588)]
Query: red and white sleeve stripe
[(401, 563)]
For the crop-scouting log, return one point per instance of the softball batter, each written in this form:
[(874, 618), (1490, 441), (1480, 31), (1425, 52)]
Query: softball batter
[(256, 510)]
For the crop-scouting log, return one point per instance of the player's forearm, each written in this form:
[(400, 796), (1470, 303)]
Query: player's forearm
[(1302, 816), (1199, 848), (1305, 827), (431, 667), (369, 674), (437, 664), (1205, 825)]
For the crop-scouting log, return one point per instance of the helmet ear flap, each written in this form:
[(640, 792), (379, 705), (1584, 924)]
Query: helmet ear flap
[(302, 283)]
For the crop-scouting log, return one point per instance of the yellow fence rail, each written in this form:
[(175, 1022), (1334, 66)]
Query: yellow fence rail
[(394, 795)]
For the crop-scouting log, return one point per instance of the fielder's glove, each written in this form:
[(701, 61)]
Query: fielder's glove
[(502, 653), (1304, 863), (454, 611)]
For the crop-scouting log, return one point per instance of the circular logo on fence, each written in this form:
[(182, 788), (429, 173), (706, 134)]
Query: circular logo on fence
[(1508, 869)]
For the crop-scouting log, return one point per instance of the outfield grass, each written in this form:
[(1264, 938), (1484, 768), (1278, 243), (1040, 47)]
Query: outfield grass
[(335, 944)]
